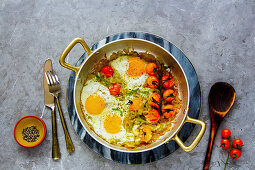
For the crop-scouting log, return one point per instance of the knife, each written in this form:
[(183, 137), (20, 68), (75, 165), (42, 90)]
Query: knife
[(49, 102)]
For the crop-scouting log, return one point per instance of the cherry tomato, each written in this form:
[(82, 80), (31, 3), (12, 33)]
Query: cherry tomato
[(166, 82), (155, 102), (115, 89), (152, 82), (137, 104), (235, 153), (168, 110), (153, 115), (150, 69), (168, 95), (225, 144), (237, 143), (225, 133), (107, 71)]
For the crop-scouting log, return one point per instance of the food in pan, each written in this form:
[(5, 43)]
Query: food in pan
[(131, 100)]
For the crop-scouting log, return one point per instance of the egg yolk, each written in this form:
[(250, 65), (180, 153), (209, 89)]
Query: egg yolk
[(136, 67), (112, 124), (94, 104)]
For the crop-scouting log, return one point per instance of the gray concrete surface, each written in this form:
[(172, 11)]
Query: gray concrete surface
[(217, 36)]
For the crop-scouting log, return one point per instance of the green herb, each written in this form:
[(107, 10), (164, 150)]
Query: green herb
[(133, 91), (145, 92), (101, 78), (116, 109), (30, 134), (97, 76), (139, 118)]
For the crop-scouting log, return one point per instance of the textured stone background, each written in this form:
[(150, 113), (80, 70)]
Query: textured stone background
[(217, 36)]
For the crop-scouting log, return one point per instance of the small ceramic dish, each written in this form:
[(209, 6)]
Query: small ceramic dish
[(27, 122)]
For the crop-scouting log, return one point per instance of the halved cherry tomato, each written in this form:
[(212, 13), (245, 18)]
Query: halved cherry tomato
[(146, 134), (153, 115), (225, 133), (152, 82), (107, 71), (166, 82), (115, 89), (237, 143), (155, 102), (136, 105), (150, 69), (235, 153), (168, 111), (168, 95), (225, 144)]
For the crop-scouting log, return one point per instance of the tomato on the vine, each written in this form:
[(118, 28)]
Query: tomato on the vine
[(237, 143), (151, 69), (235, 153), (225, 133), (225, 144)]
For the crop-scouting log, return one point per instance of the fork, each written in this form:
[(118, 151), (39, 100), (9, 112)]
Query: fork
[(54, 88)]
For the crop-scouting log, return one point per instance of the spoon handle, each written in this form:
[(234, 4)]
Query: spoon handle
[(214, 128)]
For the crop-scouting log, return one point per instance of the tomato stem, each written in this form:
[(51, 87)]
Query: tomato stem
[(226, 161)]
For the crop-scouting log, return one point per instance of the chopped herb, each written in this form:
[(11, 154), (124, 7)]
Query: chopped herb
[(139, 118), (106, 83), (145, 92), (133, 91), (101, 78), (116, 109), (97, 76)]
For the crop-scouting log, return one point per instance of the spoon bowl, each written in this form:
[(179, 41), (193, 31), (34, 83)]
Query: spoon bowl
[(221, 99)]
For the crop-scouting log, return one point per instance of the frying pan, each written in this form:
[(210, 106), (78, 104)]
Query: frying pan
[(140, 46)]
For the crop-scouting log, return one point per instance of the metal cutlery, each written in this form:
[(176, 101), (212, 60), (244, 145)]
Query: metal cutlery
[(54, 89), (50, 103)]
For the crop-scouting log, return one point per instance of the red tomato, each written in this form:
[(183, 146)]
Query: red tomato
[(166, 82), (152, 82), (150, 69), (225, 133), (153, 115), (168, 111), (237, 143), (225, 144), (115, 89), (168, 95), (107, 71), (156, 97), (235, 153)]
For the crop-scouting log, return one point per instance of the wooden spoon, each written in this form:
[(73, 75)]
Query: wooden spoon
[(221, 99)]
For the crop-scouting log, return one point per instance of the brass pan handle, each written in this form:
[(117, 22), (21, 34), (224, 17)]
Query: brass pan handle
[(196, 140), (68, 49)]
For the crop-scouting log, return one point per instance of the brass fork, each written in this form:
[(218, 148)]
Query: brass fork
[(54, 88)]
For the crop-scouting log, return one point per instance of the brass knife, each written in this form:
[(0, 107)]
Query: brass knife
[(49, 101)]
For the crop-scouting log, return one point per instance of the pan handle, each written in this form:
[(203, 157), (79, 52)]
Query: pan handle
[(196, 140), (68, 49)]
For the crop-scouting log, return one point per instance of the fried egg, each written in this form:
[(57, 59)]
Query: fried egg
[(131, 70)]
